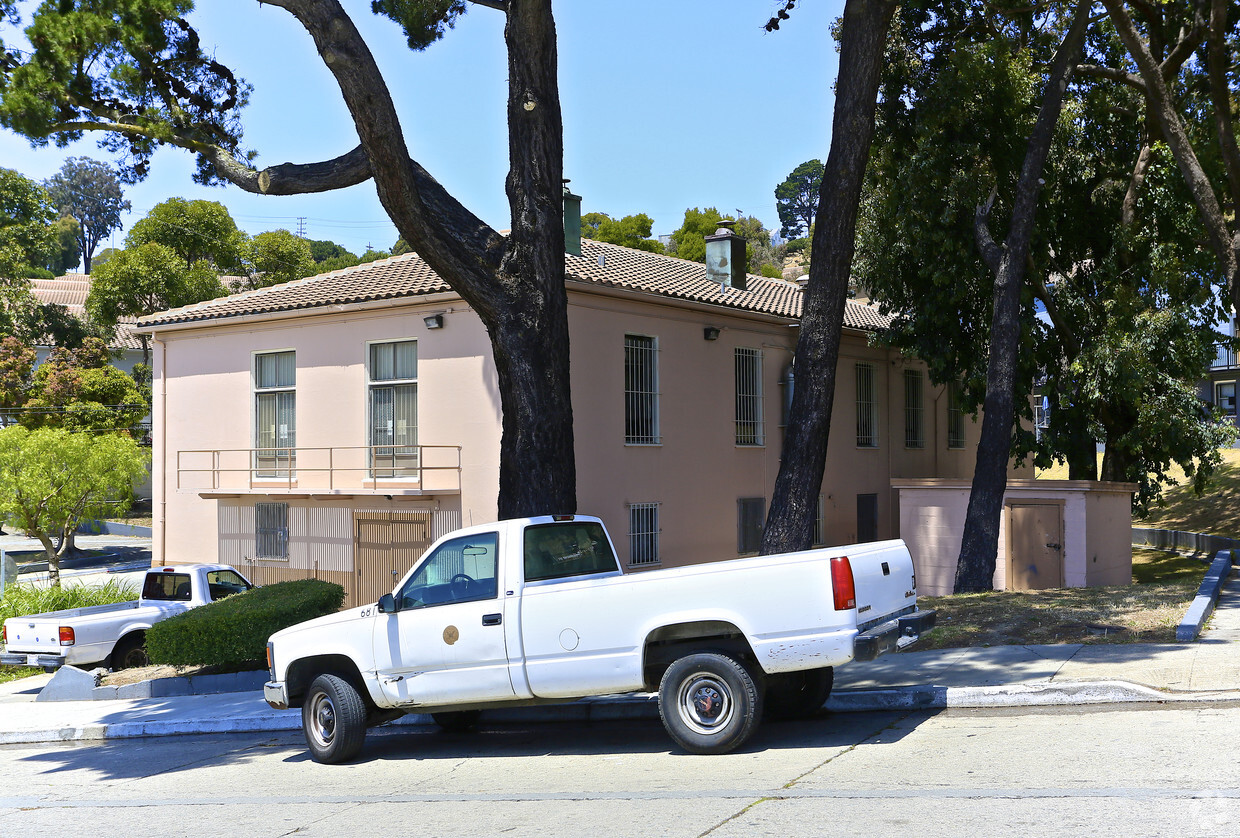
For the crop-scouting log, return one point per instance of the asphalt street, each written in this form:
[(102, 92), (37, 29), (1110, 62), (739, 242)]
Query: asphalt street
[(1136, 771)]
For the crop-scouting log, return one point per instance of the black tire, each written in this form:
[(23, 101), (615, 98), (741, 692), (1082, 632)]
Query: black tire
[(798, 695), (709, 703), (130, 652), (333, 719), (457, 721)]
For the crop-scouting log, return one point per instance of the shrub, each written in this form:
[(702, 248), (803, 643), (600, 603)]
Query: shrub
[(233, 632)]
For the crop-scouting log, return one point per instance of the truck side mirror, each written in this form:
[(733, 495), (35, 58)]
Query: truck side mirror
[(387, 604)]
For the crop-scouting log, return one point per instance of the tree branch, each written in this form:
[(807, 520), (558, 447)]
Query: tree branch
[(992, 254), (1218, 64), (1133, 80)]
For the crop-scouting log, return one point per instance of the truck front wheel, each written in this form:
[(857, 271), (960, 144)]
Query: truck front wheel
[(333, 718), (709, 703)]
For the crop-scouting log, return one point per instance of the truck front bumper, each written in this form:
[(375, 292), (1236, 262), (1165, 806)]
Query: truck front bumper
[(44, 660), (276, 695), (893, 634)]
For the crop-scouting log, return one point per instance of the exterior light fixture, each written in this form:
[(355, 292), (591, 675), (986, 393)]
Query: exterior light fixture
[(433, 321), (710, 333)]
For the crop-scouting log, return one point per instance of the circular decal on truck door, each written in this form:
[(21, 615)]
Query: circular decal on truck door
[(451, 635)]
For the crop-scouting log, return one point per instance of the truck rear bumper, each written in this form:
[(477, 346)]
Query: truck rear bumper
[(892, 635), (275, 694), (42, 659)]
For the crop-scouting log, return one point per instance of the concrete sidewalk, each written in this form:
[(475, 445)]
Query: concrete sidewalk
[(1003, 676)]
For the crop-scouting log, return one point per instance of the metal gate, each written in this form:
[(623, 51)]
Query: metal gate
[(385, 546)]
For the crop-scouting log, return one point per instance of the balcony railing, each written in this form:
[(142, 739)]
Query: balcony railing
[(1224, 357), (374, 469)]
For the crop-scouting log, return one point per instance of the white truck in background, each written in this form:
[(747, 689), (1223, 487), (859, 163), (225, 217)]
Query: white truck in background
[(536, 610), (115, 634)]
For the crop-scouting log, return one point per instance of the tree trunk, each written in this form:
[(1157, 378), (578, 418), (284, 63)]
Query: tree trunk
[(980, 541), (790, 524)]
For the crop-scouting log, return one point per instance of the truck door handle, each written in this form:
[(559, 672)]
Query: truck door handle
[(492, 619)]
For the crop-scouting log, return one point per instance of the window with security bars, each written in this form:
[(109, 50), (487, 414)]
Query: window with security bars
[(750, 516), (867, 407), (955, 417), (641, 390), (275, 414), (393, 370), (867, 518), (820, 523), (643, 534), (914, 410), (749, 427), (271, 530)]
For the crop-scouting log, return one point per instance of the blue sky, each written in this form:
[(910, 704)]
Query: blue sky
[(667, 105)]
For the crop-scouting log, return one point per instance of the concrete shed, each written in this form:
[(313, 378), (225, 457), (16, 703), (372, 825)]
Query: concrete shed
[(1053, 533)]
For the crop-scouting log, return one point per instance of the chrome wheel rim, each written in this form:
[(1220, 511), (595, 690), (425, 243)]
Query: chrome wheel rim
[(322, 726), (705, 703)]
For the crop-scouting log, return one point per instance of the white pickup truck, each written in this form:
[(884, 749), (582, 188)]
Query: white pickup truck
[(115, 634), (536, 610)]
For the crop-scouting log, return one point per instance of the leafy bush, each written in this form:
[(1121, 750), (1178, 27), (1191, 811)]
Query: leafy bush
[(22, 599), (233, 632)]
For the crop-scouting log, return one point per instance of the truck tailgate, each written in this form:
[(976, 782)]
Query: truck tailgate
[(885, 581), (28, 634)]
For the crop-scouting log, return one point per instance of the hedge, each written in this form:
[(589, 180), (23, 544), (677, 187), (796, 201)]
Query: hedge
[(233, 632)]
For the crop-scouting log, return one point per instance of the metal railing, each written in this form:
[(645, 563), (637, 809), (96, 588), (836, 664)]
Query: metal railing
[(1224, 357), (381, 469)]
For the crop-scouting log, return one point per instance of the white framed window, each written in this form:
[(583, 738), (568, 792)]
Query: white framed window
[(271, 530), (275, 413), (643, 534), (1225, 397), (955, 417), (914, 410), (641, 390), (392, 371), (867, 407), (749, 424)]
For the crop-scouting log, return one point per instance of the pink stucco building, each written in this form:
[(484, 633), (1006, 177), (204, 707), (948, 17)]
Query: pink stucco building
[(334, 425)]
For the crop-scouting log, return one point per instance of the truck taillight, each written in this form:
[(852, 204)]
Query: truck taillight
[(842, 584), (4, 635), (66, 636)]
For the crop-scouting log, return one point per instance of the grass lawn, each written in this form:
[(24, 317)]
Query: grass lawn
[(1146, 611), (16, 673)]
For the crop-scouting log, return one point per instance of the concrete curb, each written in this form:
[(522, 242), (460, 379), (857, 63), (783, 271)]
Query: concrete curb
[(1203, 604), (1014, 695)]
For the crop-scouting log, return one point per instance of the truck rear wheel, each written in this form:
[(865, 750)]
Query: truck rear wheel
[(798, 695), (129, 652), (333, 718), (709, 703)]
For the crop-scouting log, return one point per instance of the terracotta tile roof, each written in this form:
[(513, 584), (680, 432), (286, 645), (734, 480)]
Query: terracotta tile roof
[(601, 264), (71, 291)]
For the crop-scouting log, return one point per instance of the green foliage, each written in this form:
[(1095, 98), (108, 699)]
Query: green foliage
[(401, 247), (233, 632), (51, 479), (770, 270), (146, 278), (278, 256), (796, 199), (26, 238), (1118, 310), (423, 21), (80, 390), (630, 231), (323, 250), (90, 193), (112, 61), (689, 241), (22, 599), (196, 231), (67, 252)]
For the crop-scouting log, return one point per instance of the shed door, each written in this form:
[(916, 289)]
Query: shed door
[(1036, 558)]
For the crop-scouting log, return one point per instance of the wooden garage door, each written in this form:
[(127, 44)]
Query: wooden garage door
[(386, 544)]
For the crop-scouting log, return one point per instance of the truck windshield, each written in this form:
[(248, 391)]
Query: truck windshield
[(561, 550)]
